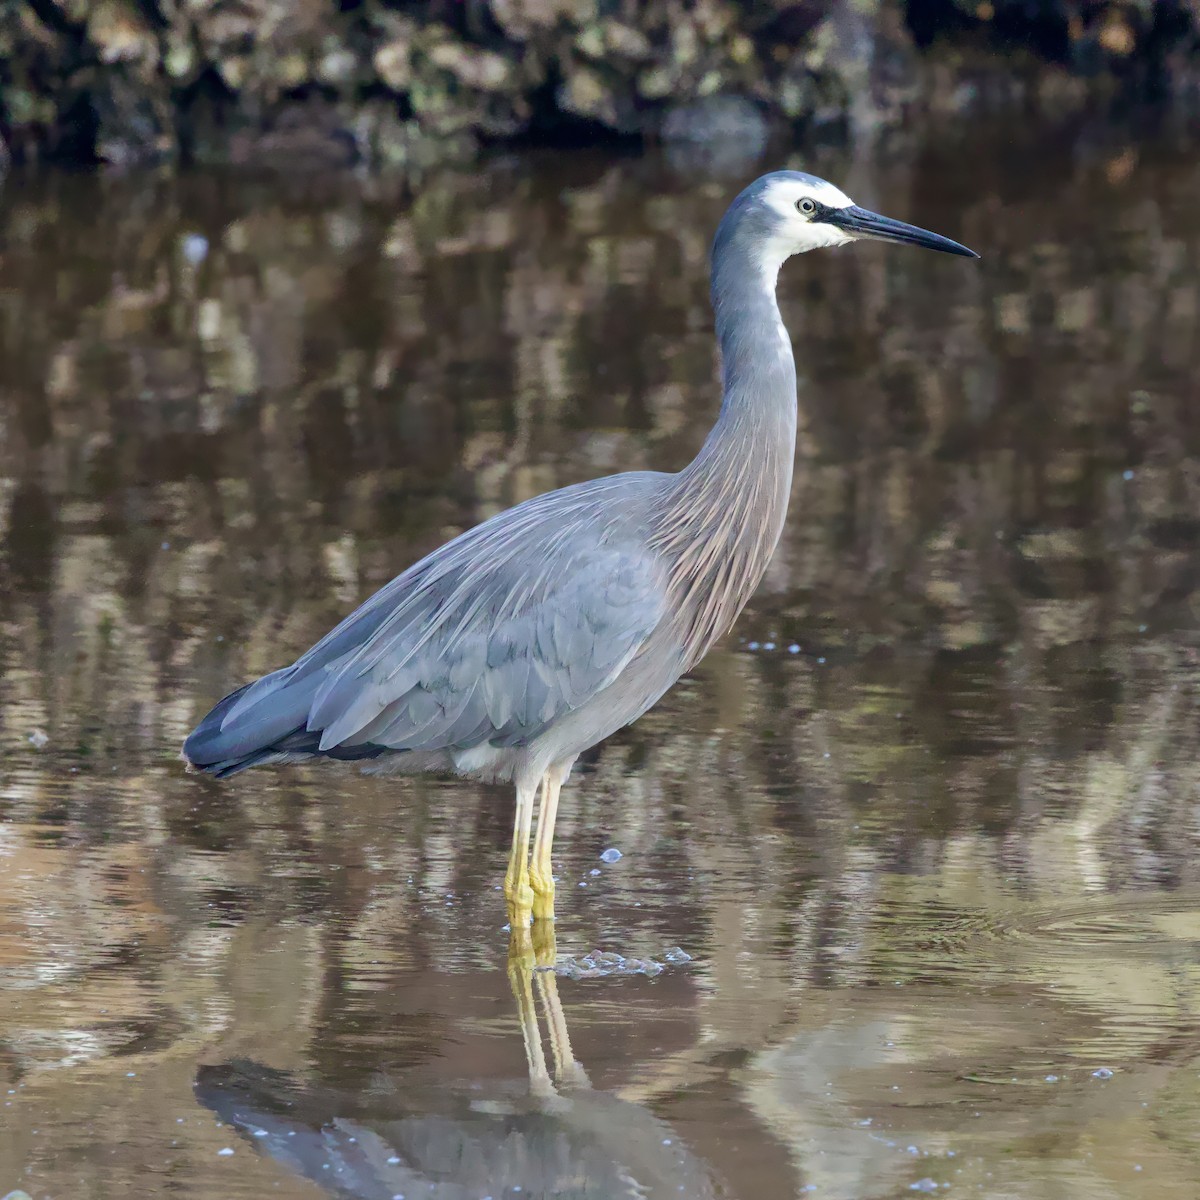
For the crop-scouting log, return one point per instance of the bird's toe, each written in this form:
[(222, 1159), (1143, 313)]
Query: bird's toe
[(542, 883), (520, 897)]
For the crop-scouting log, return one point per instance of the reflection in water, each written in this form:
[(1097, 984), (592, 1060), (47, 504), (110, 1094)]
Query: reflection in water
[(927, 822), (557, 1136)]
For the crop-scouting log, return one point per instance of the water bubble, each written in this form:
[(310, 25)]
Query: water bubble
[(195, 248), (1127, 475), (677, 955), (594, 871), (751, 645), (393, 1159), (768, 645), (793, 649), (225, 1153), (611, 855), (38, 738), (1051, 1078), (1102, 1073), (821, 659), (923, 1185)]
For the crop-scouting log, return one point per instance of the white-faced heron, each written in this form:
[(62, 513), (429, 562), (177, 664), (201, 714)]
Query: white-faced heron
[(510, 650)]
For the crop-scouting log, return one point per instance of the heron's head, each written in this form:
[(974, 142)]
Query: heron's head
[(789, 212)]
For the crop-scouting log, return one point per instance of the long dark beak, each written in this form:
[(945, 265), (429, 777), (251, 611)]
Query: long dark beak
[(863, 223)]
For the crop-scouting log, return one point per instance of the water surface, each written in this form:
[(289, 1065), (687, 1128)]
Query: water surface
[(924, 826)]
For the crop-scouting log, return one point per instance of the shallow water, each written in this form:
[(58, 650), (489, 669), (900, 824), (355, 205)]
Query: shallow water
[(925, 826)]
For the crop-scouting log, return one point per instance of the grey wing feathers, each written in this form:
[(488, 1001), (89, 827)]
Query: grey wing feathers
[(488, 640), (464, 673)]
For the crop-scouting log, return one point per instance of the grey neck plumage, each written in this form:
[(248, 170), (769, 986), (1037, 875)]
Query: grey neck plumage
[(724, 512)]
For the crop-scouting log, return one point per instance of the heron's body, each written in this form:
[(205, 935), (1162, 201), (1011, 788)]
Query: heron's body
[(507, 652)]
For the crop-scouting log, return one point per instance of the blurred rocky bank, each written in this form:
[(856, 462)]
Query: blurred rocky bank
[(402, 82)]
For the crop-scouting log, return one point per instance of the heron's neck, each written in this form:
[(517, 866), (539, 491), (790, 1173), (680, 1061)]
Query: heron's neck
[(749, 452), (725, 510)]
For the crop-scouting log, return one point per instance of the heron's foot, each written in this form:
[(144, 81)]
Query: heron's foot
[(531, 947), (542, 883), (520, 910), (520, 898), (521, 954), (545, 948)]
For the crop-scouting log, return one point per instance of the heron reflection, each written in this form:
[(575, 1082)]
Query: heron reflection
[(547, 1134)]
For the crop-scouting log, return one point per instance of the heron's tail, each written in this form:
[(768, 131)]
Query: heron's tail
[(264, 721), (244, 730)]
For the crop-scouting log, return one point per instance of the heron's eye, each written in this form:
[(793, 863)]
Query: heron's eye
[(806, 206)]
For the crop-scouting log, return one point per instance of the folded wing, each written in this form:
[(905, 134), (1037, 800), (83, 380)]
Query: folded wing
[(488, 640)]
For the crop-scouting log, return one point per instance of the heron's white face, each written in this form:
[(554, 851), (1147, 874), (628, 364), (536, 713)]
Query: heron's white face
[(791, 212), (800, 205)]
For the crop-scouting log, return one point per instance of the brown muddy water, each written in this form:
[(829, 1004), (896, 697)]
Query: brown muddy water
[(924, 828)]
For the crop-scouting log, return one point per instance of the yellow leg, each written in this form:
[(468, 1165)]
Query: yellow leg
[(544, 946), (541, 875), (517, 891)]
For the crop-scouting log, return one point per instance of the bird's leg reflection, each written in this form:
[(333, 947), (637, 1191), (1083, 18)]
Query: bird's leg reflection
[(530, 958), (520, 977), (541, 874), (567, 1068), (517, 891)]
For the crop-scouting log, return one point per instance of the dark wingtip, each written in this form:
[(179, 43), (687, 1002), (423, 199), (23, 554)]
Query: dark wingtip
[(223, 768)]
